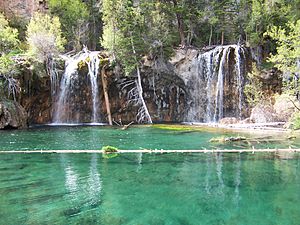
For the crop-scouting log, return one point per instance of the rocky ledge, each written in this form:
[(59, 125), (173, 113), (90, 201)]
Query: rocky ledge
[(12, 115)]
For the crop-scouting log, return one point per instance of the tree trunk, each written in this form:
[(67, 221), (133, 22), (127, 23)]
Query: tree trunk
[(140, 91), (106, 97), (210, 36), (180, 25), (139, 85), (222, 38)]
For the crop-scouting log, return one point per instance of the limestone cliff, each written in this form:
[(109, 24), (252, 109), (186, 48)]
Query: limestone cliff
[(22, 8), (12, 115)]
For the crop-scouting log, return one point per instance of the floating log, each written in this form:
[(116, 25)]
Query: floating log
[(150, 151), (228, 139)]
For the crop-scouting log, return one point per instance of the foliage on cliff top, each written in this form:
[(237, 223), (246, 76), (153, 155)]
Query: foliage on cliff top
[(73, 15), (44, 37), (8, 36), (134, 30), (287, 58), (9, 48), (295, 121)]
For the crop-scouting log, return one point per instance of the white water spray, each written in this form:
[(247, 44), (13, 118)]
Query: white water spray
[(67, 85), (215, 67)]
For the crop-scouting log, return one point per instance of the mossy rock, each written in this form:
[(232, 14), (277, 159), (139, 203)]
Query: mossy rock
[(187, 128), (109, 149)]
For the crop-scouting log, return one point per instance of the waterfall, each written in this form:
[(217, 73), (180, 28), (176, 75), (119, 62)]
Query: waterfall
[(72, 98), (239, 55), (53, 76), (217, 86), (93, 65)]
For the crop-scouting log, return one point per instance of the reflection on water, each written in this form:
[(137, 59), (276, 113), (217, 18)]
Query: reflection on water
[(219, 165), (150, 189), (87, 188), (208, 173), (94, 182), (139, 160), (237, 180), (71, 180)]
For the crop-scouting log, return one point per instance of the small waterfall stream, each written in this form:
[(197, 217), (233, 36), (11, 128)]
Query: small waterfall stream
[(65, 108), (217, 90), (93, 65)]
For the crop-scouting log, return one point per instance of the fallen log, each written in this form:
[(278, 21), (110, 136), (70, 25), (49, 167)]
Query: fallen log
[(125, 127), (151, 151)]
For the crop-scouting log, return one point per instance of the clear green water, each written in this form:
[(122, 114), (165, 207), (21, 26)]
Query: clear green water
[(145, 189), (150, 189), (149, 137)]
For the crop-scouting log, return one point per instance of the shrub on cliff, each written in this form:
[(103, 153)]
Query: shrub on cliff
[(9, 47), (8, 36), (253, 89), (295, 121), (44, 37)]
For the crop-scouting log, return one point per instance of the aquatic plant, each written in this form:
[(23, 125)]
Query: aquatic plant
[(227, 139), (109, 149), (109, 152)]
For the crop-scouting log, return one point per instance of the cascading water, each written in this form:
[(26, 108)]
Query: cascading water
[(66, 107), (93, 65), (220, 72)]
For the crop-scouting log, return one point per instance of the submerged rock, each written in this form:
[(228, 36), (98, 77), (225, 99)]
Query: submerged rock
[(12, 115)]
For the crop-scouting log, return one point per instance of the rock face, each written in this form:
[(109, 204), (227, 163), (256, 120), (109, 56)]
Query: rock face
[(164, 92), (12, 115), (228, 120), (215, 78), (285, 107), (22, 8), (165, 95), (263, 113), (200, 86)]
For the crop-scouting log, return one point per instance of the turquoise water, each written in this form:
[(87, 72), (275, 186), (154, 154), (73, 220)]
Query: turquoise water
[(150, 189), (146, 189), (149, 137)]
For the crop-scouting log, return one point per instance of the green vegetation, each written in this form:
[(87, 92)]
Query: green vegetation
[(8, 36), (133, 31), (183, 128), (109, 149), (9, 48), (73, 15), (253, 89), (287, 57), (44, 37), (109, 152), (295, 121)]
